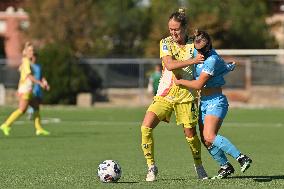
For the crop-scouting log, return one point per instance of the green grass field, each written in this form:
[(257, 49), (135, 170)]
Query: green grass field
[(82, 138)]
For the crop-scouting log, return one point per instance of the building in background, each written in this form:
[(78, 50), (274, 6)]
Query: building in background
[(13, 19), (276, 21)]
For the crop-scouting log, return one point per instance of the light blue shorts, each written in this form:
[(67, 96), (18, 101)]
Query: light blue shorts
[(216, 105)]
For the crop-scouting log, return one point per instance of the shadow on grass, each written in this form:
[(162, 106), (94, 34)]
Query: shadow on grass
[(259, 178), (172, 179), (126, 182)]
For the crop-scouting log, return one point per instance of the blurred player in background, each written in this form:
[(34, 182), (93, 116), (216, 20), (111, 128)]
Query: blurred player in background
[(37, 91), (25, 93), (154, 80), (214, 105), (176, 52)]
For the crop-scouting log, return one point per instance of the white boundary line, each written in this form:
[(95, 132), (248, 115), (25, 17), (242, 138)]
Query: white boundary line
[(89, 123)]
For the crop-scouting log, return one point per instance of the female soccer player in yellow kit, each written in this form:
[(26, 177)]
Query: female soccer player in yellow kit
[(25, 93), (176, 52)]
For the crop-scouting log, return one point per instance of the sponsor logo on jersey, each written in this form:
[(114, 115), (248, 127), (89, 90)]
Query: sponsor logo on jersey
[(165, 48)]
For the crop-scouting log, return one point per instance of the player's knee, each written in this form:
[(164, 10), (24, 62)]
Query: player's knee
[(209, 138), (189, 132)]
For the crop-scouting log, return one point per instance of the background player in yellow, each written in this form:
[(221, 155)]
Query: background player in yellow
[(25, 93), (176, 52)]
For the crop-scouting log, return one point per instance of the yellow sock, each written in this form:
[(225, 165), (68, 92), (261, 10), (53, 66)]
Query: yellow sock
[(195, 147), (37, 120), (13, 117), (148, 144)]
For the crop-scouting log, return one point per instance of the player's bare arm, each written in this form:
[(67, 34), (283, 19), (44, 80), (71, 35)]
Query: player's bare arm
[(194, 84), (34, 80), (172, 64)]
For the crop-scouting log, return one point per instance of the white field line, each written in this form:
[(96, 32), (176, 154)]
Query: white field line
[(225, 124)]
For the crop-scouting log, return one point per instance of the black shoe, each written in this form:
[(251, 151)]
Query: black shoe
[(225, 171), (244, 161)]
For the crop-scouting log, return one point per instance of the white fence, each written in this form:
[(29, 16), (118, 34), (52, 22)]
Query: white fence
[(256, 67)]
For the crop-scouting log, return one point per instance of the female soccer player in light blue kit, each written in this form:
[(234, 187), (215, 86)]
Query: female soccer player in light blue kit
[(37, 91), (214, 105)]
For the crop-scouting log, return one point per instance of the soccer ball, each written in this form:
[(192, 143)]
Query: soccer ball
[(109, 171)]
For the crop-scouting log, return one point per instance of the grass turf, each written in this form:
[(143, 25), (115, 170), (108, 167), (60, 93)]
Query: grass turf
[(82, 138)]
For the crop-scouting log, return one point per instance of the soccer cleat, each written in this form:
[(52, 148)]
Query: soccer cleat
[(5, 129), (225, 171), (244, 161), (152, 173), (201, 173), (42, 132)]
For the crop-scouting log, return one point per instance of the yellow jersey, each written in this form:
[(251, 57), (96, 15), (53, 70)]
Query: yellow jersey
[(167, 88), (25, 84)]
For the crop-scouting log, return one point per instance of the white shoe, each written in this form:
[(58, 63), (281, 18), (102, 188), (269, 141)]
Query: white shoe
[(152, 173), (201, 173)]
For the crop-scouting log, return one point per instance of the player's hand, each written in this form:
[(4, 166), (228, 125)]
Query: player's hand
[(42, 85), (176, 81), (45, 84), (199, 59)]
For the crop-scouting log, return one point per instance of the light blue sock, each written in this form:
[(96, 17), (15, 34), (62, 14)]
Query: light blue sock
[(218, 155), (226, 146), (30, 110)]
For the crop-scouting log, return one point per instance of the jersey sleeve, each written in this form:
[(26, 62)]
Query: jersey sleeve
[(210, 66), (26, 67), (164, 48), (228, 67)]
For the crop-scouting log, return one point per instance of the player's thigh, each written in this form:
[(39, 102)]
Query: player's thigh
[(24, 99), (186, 114), (150, 120), (161, 108), (217, 107), (23, 103), (211, 127)]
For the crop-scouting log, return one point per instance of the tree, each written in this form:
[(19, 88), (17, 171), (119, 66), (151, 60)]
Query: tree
[(160, 12), (124, 27), (69, 22), (234, 24), (61, 30), (65, 76)]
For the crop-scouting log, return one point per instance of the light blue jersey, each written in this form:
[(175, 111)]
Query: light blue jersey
[(215, 104), (215, 66), (36, 70)]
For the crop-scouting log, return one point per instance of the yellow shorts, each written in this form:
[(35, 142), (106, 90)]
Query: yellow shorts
[(186, 113)]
